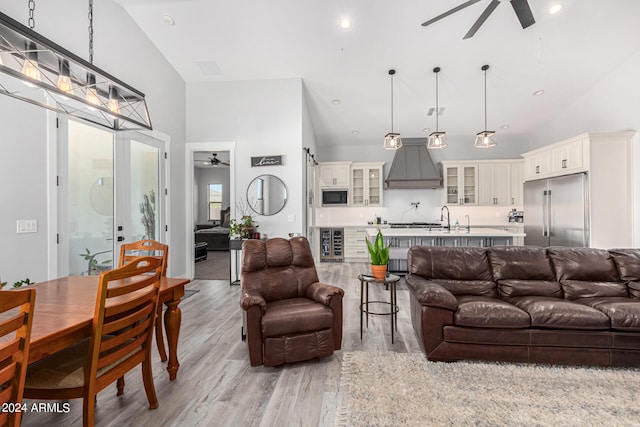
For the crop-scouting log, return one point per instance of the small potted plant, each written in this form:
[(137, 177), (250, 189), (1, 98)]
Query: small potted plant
[(243, 228), (379, 256)]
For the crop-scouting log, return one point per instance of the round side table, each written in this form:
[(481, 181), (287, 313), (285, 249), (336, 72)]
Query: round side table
[(390, 280)]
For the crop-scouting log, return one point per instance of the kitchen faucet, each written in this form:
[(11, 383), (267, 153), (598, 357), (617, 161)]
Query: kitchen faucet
[(448, 227), (468, 223)]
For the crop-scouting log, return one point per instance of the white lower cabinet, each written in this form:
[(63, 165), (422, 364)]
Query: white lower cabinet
[(355, 245)]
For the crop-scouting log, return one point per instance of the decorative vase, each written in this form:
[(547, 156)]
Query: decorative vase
[(378, 271)]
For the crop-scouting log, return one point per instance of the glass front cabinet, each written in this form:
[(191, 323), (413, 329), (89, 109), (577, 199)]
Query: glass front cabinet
[(460, 183), (366, 184)]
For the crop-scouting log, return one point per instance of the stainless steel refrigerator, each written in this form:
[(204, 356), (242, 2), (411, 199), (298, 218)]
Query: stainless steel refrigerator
[(556, 211)]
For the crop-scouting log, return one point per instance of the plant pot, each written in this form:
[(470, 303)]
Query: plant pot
[(378, 271)]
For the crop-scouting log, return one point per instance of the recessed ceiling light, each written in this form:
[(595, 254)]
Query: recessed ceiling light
[(426, 130), (555, 8), (355, 132), (538, 92), (345, 23), (168, 19), (504, 127), (335, 101)]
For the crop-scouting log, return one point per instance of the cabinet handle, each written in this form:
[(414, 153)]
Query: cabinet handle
[(564, 163), (537, 169), (513, 201), (335, 181)]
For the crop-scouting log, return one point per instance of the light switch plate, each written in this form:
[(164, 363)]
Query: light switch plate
[(27, 226), (291, 217)]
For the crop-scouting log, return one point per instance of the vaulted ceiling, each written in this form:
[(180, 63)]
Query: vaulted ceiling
[(345, 72)]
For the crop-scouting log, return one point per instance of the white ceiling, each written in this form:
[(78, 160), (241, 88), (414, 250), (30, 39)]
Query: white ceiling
[(564, 54)]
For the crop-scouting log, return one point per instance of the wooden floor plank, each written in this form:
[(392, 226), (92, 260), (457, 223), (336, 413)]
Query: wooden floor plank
[(217, 386)]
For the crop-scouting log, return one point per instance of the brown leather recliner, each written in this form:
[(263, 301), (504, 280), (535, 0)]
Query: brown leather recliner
[(290, 315)]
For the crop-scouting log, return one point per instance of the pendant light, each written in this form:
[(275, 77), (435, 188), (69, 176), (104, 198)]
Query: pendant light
[(38, 71), (486, 138), (392, 140), (437, 139)]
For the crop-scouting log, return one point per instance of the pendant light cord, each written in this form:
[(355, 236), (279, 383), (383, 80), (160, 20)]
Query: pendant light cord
[(391, 101), (32, 7), (91, 31), (485, 97), (437, 111)]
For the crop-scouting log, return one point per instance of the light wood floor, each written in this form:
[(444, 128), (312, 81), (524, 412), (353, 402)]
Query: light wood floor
[(215, 384)]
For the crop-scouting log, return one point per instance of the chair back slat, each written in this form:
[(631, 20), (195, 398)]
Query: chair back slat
[(123, 322), (14, 348), (141, 248)]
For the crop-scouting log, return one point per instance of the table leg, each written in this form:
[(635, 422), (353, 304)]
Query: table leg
[(367, 304), (172, 319), (392, 308), (361, 306)]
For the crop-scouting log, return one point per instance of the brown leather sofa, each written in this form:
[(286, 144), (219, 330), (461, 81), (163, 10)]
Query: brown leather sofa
[(574, 306), (289, 315)]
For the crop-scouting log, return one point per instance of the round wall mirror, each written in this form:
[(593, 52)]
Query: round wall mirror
[(266, 195)]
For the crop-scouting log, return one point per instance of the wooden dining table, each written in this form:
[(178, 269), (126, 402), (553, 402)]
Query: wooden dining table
[(64, 310)]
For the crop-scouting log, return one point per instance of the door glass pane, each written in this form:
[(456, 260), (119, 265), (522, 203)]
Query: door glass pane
[(144, 188), (90, 199)]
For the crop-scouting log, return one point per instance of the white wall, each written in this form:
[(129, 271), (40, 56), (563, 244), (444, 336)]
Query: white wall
[(611, 105), (263, 118), (204, 177), (125, 53)]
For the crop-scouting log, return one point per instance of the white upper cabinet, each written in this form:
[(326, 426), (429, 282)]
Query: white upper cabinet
[(517, 183), (460, 183), (366, 184), (334, 174), (494, 184), (562, 158)]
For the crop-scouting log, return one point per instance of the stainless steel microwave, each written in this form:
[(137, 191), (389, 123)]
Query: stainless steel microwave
[(335, 196)]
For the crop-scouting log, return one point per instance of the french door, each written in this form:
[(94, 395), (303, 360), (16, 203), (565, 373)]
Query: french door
[(110, 191)]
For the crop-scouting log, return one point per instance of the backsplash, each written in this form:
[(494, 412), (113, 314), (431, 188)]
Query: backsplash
[(478, 215)]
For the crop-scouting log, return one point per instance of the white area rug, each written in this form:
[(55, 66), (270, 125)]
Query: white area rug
[(394, 389)]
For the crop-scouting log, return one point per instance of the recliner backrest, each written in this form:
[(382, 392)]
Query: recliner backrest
[(278, 268)]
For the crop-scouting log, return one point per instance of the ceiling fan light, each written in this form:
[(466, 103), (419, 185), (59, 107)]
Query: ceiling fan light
[(437, 140), (485, 139), (392, 141)]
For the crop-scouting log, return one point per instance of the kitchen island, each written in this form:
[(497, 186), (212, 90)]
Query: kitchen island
[(401, 239)]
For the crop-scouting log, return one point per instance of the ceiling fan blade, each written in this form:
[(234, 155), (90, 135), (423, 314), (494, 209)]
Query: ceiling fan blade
[(523, 11), (452, 11), (476, 25)]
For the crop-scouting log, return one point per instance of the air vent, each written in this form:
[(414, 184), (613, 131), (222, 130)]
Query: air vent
[(209, 68), (432, 111)]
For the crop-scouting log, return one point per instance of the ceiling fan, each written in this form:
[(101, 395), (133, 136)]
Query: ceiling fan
[(215, 161), (521, 8)]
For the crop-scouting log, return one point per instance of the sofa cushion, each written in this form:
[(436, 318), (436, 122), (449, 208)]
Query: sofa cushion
[(634, 289), (295, 315), (583, 264), (628, 263), (520, 262), (469, 287), (484, 312), (574, 289), (459, 263), (557, 313), (517, 288), (623, 312)]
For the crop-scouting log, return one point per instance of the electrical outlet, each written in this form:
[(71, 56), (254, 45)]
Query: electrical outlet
[(26, 226)]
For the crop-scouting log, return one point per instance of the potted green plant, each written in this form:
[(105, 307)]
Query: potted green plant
[(242, 228), (379, 254)]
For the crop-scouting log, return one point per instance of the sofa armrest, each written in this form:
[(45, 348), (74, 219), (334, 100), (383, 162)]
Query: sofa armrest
[(430, 293), (251, 297), (322, 292)]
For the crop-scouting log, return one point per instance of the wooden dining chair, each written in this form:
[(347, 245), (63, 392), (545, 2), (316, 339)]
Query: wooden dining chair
[(121, 339), (15, 333), (134, 250)]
